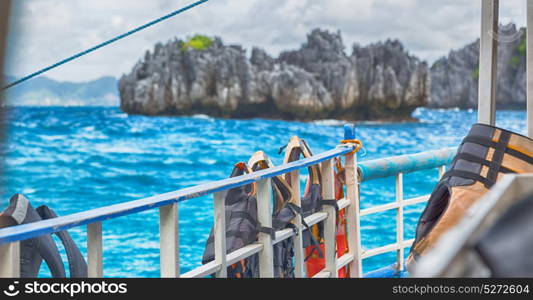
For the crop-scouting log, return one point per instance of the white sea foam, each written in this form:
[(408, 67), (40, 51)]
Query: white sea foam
[(119, 116), (208, 161), (52, 137), (173, 161), (118, 149), (202, 117), (28, 191), (329, 122)]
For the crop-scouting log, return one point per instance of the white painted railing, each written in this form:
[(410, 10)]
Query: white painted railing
[(400, 244), (265, 243), (168, 211), (169, 235)]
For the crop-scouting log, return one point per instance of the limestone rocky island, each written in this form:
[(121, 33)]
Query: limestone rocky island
[(455, 78), (381, 81)]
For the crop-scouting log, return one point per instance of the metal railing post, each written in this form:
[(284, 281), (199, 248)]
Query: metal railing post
[(94, 250), (220, 233), (299, 255), (488, 58), (399, 222), (529, 68), (169, 241), (264, 216), (10, 260), (353, 218), (330, 224)]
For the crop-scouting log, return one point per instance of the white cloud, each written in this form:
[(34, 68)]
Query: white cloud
[(45, 31)]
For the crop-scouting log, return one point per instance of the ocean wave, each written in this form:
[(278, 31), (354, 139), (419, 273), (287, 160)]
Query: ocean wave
[(202, 117), (118, 149), (52, 138), (330, 122), (78, 158)]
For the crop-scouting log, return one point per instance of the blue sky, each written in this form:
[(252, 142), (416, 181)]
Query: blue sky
[(44, 31)]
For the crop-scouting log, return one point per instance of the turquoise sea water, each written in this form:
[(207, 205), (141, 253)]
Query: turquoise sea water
[(74, 159)]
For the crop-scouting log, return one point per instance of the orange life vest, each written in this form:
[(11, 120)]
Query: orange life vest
[(315, 261), (484, 156)]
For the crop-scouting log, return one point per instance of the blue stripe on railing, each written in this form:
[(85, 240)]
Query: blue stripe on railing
[(27, 231), (390, 166)]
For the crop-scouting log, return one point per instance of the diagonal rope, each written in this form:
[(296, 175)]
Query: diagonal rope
[(66, 60)]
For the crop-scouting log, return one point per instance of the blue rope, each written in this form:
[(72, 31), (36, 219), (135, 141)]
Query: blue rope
[(66, 60)]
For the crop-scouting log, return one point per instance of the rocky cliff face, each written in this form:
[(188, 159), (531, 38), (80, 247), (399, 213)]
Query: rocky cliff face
[(454, 79), (319, 80)]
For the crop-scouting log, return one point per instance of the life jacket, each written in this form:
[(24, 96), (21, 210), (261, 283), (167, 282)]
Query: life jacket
[(483, 157), (242, 226), (285, 210), (313, 239), (34, 250), (341, 237)]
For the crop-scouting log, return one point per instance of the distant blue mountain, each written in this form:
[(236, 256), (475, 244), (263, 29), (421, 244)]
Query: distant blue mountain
[(43, 91)]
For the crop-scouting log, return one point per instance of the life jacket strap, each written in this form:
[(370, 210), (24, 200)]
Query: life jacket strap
[(282, 148), (295, 208), (501, 147), (478, 160), (469, 175), (267, 230), (329, 202), (497, 157), (76, 262), (279, 222), (488, 142), (315, 244), (315, 248)]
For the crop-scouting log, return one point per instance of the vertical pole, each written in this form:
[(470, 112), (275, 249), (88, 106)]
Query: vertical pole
[(10, 260), (399, 222), (299, 268), (169, 241), (5, 6), (16, 259), (330, 224), (94, 250), (220, 234), (264, 216), (530, 68), (5, 9), (353, 223), (488, 57)]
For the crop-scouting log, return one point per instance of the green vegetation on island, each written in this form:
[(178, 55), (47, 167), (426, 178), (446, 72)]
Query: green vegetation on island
[(197, 42)]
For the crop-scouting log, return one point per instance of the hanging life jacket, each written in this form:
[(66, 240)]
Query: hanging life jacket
[(341, 237), (285, 210), (242, 227), (241, 224), (485, 154), (312, 202), (34, 250)]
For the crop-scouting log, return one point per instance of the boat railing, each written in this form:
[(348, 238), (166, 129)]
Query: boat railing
[(397, 166), (167, 204)]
